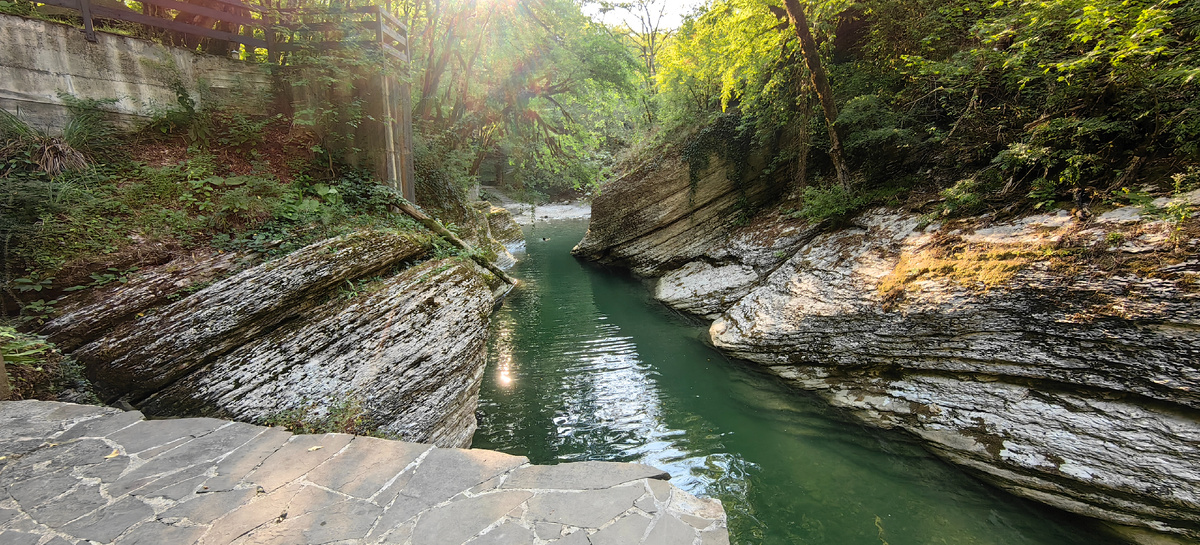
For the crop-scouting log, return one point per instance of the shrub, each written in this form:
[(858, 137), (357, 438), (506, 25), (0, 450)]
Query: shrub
[(829, 202)]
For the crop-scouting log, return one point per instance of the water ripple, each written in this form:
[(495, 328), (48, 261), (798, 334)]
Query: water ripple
[(583, 367)]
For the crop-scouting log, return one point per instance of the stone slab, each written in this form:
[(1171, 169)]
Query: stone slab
[(627, 530), (298, 456), (458, 521), (106, 523), (669, 530), (375, 461), (509, 533), (100, 476), (586, 509), (582, 475), (19, 538), (105, 425)]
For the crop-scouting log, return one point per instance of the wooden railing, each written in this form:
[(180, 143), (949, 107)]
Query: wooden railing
[(282, 33), (255, 27), (343, 28)]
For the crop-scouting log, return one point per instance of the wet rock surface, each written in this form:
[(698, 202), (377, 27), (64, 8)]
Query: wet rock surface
[(1010, 348), (79, 474)]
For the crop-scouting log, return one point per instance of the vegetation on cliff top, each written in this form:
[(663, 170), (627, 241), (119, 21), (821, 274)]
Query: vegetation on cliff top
[(1001, 104), (958, 106)]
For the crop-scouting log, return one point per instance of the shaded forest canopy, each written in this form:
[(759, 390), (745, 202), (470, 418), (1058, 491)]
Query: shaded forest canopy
[(1009, 98), (962, 105), (1001, 103)]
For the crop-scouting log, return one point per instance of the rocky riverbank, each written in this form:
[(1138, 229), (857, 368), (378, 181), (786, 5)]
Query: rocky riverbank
[(1052, 355), (372, 325)]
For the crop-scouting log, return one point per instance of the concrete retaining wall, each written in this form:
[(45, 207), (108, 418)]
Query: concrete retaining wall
[(38, 59)]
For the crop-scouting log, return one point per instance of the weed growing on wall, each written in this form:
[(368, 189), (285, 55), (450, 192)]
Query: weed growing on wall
[(342, 415)]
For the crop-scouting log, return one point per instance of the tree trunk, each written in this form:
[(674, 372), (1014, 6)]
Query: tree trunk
[(433, 225), (5, 391), (813, 59)]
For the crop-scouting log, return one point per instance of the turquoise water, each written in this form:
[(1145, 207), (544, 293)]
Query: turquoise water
[(583, 365)]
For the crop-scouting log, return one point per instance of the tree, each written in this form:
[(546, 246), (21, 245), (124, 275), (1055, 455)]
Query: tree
[(524, 82), (5, 390), (648, 37), (820, 81)]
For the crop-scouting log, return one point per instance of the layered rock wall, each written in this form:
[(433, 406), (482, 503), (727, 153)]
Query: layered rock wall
[(1075, 390), (654, 219), (366, 322), (1055, 357)]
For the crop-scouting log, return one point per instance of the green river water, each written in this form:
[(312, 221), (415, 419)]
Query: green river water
[(584, 365)]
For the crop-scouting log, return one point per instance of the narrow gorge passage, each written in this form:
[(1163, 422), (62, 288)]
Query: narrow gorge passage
[(583, 365)]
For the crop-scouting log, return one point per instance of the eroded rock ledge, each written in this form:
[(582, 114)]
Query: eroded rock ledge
[(75, 472), (1076, 390), (1016, 349), (366, 317)]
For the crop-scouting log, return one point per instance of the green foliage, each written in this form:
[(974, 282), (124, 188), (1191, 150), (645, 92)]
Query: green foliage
[(829, 202), (964, 197), (39, 370), (35, 282), (245, 131), (28, 151), (183, 117), (88, 128), (80, 218), (112, 274), (533, 94), (20, 8), (877, 140), (343, 415), (22, 349), (1044, 96), (728, 138)]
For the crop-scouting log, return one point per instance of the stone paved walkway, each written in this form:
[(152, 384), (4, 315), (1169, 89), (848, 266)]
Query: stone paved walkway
[(76, 474)]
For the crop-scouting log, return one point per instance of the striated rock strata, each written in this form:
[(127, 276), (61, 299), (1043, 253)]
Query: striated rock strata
[(653, 219), (355, 321), (1079, 390), (1054, 357)]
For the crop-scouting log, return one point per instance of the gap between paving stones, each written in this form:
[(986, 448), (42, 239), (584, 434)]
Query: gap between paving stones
[(214, 482)]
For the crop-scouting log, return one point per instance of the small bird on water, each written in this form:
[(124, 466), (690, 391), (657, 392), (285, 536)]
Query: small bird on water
[(545, 239)]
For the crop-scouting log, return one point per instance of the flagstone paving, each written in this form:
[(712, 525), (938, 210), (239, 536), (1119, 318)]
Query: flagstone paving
[(79, 474)]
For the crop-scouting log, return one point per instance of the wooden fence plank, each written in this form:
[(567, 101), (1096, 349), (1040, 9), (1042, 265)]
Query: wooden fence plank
[(397, 23), (391, 32), (243, 5), (325, 27), (395, 53), (222, 16), (159, 22), (184, 28), (377, 25)]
